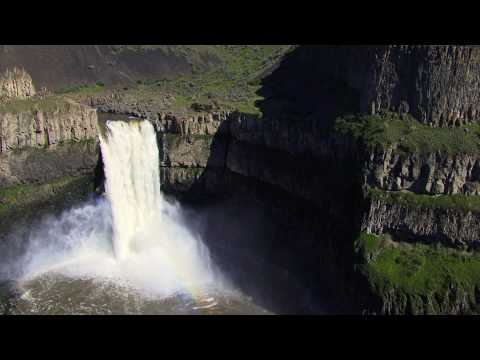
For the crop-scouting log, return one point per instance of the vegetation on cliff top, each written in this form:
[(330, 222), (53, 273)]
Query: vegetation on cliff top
[(408, 135), (465, 203), (424, 279), (83, 89), (232, 83), (48, 104), (19, 196)]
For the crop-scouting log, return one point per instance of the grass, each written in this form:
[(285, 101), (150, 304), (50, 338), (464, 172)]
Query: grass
[(464, 203), (420, 275), (84, 89), (410, 136), (22, 204), (367, 245), (418, 268), (232, 83), (21, 196), (48, 104)]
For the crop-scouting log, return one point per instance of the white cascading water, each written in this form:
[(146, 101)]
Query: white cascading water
[(152, 249), (130, 155)]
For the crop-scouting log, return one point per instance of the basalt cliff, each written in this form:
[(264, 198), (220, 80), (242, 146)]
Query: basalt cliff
[(48, 152), (366, 159)]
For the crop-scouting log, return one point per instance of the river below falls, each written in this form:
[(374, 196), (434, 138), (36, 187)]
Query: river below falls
[(59, 295)]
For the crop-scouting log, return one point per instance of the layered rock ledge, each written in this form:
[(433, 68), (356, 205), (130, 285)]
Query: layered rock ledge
[(41, 140), (453, 227)]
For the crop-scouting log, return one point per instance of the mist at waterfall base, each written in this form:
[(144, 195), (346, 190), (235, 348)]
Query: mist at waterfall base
[(127, 251)]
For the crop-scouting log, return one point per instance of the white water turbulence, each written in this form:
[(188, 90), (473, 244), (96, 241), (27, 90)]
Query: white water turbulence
[(134, 237)]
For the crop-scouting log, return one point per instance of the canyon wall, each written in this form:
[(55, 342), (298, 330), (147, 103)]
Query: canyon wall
[(285, 173), (453, 227), (433, 173), (48, 154), (37, 126), (294, 150), (437, 84), (41, 143)]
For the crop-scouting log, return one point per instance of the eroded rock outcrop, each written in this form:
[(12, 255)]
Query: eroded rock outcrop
[(207, 124), (434, 173), (16, 84)]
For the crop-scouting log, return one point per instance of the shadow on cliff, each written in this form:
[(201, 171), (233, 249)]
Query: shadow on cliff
[(290, 247), (311, 81)]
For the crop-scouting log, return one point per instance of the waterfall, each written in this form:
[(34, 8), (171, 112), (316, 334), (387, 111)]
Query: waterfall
[(133, 236), (131, 163)]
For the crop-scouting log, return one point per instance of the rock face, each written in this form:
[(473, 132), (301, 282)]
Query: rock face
[(293, 151), (31, 165), (437, 84), (435, 173), (38, 145), (37, 127), (207, 124), (188, 148), (453, 228), (260, 161), (16, 84), (274, 151)]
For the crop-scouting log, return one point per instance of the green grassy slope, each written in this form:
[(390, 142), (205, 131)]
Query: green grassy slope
[(425, 279), (409, 135)]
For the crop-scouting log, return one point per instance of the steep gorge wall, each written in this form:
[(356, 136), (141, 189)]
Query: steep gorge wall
[(437, 84), (277, 166), (293, 150)]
